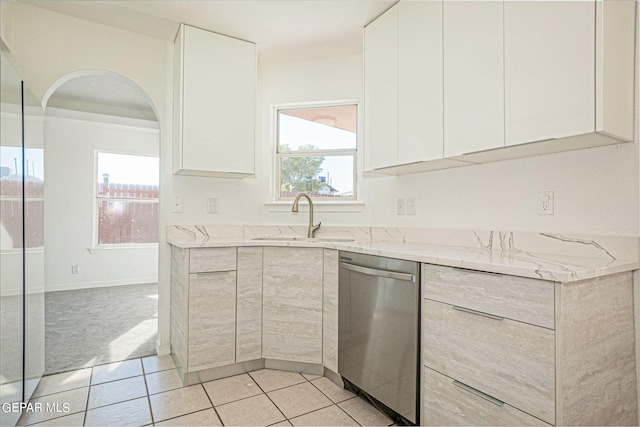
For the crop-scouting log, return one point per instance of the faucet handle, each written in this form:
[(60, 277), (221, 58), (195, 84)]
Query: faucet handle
[(315, 227)]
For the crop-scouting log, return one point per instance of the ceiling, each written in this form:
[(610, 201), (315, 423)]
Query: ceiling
[(280, 28), (272, 24)]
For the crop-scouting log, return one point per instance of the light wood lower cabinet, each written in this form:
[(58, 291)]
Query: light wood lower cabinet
[(292, 304), (216, 306), (449, 402), (249, 305), (577, 369), (212, 320), (231, 305)]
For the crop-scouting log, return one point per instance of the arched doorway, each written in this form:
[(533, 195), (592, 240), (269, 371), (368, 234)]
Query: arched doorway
[(102, 146)]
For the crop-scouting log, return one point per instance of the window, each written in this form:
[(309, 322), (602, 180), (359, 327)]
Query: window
[(316, 151), (127, 199)]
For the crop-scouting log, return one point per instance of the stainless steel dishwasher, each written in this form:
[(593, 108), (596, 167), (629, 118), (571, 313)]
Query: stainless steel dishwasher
[(378, 330)]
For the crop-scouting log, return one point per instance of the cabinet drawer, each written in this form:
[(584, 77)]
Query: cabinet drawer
[(450, 403), (518, 298), (511, 361), (204, 260)]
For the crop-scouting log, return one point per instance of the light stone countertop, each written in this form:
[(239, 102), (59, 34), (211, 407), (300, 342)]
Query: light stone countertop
[(583, 259)]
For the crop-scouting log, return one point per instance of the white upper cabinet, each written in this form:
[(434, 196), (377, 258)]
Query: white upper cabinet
[(214, 104), (381, 90), (403, 86), (549, 69), (473, 76), (420, 81), (615, 68)]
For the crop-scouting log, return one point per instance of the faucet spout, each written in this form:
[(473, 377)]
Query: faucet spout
[(294, 208)]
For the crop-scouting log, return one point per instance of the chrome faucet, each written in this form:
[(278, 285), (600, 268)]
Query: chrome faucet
[(294, 208)]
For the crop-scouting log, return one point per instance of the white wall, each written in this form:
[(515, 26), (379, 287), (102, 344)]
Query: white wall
[(70, 206)]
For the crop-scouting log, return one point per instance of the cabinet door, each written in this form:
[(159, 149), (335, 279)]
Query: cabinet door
[(330, 310), (419, 81), (549, 69), (212, 320), (218, 104), (381, 90), (473, 76), (292, 304), (249, 305)]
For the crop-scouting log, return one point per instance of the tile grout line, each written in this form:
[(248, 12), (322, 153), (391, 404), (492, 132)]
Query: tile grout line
[(269, 397), (146, 387), (336, 403), (212, 405), (86, 405)]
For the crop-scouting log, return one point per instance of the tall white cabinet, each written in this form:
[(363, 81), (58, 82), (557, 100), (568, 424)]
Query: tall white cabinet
[(474, 78), (214, 104), (381, 90), (403, 56), (549, 70)]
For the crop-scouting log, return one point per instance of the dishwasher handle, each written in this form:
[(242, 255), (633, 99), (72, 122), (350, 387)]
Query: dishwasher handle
[(407, 277)]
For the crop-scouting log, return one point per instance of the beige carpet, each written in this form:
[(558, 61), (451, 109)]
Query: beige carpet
[(90, 327)]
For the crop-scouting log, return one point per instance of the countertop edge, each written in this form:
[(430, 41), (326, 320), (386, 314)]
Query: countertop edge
[(515, 263)]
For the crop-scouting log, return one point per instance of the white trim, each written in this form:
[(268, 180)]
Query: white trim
[(346, 206), (123, 246), (106, 284), (275, 108)]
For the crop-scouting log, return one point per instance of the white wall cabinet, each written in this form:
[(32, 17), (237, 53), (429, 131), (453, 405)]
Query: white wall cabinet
[(461, 82), (403, 56), (473, 77), (615, 68), (420, 80), (381, 90), (292, 304), (549, 70), (214, 104)]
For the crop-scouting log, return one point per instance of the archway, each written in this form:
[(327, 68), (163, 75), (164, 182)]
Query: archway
[(102, 148)]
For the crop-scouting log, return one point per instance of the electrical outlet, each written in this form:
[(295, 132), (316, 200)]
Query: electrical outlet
[(545, 203), (401, 207), (212, 205), (74, 269), (411, 205), (177, 205)]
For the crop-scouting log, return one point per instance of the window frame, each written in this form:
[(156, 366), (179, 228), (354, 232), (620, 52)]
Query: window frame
[(97, 199), (278, 157)]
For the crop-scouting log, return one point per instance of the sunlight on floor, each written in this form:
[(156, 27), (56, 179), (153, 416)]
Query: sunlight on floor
[(141, 332)]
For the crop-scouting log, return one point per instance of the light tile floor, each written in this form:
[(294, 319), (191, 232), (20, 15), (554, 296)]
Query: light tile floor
[(148, 391)]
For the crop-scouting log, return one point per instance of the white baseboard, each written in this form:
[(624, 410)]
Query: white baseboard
[(162, 350), (105, 284)]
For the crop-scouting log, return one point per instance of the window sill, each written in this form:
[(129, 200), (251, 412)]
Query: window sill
[(339, 207), (122, 247)]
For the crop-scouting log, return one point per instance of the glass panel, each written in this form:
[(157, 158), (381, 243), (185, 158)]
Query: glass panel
[(322, 128), (321, 177), (11, 245), (34, 242), (127, 221), (127, 169)]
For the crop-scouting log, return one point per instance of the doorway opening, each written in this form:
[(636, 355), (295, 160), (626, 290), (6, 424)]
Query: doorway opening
[(102, 146)]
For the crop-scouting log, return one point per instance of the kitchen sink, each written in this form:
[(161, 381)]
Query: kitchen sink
[(303, 239)]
